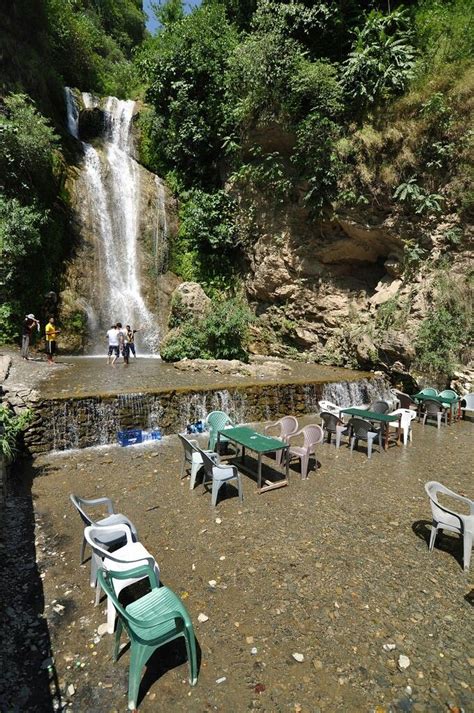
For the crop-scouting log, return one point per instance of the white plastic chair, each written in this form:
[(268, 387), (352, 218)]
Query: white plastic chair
[(467, 403), (287, 426), (330, 407), (445, 519), (114, 518), (312, 435), (407, 416), (193, 458), (220, 474), (132, 554)]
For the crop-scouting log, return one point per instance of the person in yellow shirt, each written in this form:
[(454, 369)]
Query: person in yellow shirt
[(51, 333)]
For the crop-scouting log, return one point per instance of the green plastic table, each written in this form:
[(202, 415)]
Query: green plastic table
[(385, 419), (450, 400), (260, 444)]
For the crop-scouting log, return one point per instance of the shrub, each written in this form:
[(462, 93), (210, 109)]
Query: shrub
[(222, 334), (11, 426), (382, 59)]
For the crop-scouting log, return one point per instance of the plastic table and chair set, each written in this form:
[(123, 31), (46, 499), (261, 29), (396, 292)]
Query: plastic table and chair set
[(279, 445)]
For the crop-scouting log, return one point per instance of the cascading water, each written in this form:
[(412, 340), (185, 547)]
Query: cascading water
[(112, 183)]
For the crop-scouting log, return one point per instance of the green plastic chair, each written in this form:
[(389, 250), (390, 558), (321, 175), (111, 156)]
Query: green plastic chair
[(216, 421), (150, 622), (429, 391)]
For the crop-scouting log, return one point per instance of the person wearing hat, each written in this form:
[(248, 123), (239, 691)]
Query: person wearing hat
[(29, 325)]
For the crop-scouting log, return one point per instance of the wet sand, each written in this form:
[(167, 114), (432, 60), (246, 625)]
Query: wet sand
[(333, 568)]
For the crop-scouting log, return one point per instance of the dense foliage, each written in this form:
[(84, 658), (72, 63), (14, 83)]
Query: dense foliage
[(222, 333), (11, 427)]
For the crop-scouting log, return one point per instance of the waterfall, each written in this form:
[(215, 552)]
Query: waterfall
[(356, 393), (111, 179)]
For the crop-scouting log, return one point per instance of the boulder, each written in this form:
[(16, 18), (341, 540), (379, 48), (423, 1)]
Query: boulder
[(188, 300)]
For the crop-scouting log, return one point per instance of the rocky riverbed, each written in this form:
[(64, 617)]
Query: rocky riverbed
[(321, 596)]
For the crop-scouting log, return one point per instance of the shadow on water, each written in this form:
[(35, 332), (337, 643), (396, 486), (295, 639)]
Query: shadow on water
[(28, 680), (450, 543)]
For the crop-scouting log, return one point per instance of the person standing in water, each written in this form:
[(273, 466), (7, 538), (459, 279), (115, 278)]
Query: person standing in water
[(123, 342), (131, 339), (29, 326), (113, 339), (51, 346)]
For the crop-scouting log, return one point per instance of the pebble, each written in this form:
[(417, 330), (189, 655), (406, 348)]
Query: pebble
[(212, 583), (298, 657), (218, 520), (389, 647), (202, 618), (253, 650), (71, 690), (403, 662), (102, 629), (221, 680)]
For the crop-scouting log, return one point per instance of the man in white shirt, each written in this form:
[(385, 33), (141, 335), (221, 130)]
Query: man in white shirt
[(113, 339)]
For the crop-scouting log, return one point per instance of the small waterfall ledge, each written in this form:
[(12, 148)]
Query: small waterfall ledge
[(81, 422)]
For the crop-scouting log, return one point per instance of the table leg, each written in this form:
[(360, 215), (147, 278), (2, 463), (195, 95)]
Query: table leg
[(287, 463), (386, 436), (243, 453), (259, 471)]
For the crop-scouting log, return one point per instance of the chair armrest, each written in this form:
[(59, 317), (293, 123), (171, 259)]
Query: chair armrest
[(270, 425), (100, 501), (293, 435), (214, 456)]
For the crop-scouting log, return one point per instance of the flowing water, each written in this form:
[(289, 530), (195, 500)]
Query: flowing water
[(112, 184)]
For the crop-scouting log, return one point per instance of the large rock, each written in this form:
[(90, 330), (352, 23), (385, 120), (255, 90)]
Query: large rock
[(188, 300)]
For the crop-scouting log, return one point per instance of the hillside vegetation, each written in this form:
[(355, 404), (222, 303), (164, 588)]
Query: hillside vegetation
[(265, 108)]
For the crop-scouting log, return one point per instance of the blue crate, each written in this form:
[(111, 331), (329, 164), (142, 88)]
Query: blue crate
[(130, 438), (154, 435)]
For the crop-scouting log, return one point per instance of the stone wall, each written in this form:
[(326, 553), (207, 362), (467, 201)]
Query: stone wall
[(62, 424)]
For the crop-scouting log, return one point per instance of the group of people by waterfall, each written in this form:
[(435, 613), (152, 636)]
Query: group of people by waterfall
[(121, 342)]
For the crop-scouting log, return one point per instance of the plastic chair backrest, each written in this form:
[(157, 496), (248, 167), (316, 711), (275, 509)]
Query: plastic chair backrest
[(431, 406), (467, 402), (106, 578), (94, 536), (330, 407), (189, 447), (330, 421), (405, 400), (207, 462), (440, 512), (218, 419), (449, 393), (379, 407), (288, 425), (360, 427), (407, 415), (77, 502), (312, 434), (429, 391)]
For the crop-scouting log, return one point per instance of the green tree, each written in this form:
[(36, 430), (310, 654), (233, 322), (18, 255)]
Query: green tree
[(184, 66)]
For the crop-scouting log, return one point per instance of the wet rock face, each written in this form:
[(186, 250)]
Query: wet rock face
[(190, 298), (91, 123)]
